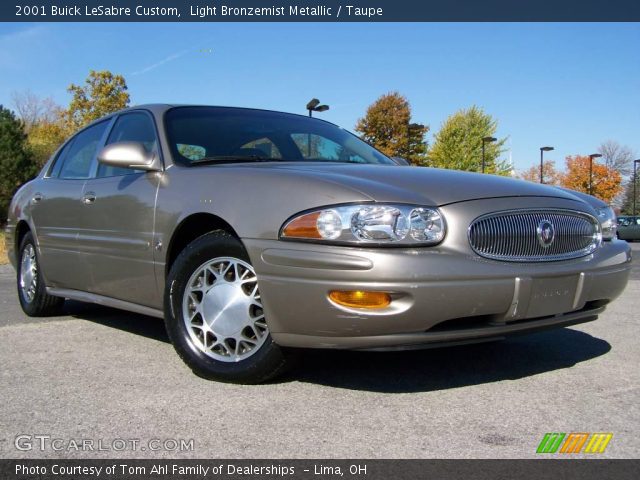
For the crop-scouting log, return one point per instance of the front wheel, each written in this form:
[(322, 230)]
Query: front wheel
[(34, 299), (214, 314)]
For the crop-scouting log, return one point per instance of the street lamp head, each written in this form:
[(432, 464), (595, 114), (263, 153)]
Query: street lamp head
[(314, 106), (546, 149), (313, 103), (595, 155), (489, 139)]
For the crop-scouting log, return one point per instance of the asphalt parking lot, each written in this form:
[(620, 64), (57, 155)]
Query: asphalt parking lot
[(102, 374)]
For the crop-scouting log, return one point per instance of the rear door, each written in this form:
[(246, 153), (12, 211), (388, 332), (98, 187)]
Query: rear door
[(56, 208), (117, 235)]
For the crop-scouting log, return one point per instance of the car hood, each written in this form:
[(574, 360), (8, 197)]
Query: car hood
[(437, 187)]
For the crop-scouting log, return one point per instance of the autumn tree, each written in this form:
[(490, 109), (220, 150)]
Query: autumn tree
[(48, 125), (388, 126), (549, 173), (44, 123), (45, 137), (102, 93), (458, 144), (605, 179), (16, 165)]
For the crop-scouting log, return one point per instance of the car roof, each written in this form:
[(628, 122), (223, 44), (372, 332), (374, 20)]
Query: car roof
[(160, 108)]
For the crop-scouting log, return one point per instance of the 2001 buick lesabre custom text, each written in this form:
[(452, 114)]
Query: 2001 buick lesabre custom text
[(250, 231)]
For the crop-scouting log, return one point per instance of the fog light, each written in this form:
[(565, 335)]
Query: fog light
[(360, 298)]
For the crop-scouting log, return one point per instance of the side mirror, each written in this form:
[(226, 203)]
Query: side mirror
[(401, 161), (129, 155)]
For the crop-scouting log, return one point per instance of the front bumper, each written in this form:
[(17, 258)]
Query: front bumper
[(440, 296)]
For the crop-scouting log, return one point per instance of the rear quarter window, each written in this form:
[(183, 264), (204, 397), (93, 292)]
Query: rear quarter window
[(77, 161), (54, 171)]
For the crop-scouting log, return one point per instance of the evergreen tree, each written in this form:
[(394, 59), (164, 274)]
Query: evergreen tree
[(16, 164), (627, 202)]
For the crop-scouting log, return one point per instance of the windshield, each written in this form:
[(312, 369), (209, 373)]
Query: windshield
[(222, 135)]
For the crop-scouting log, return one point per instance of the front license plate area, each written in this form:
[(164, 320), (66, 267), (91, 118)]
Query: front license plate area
[(552, 295)]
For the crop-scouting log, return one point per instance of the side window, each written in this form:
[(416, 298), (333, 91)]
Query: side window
[(130, 127), (316, 147), (262, 147), (77, 161)]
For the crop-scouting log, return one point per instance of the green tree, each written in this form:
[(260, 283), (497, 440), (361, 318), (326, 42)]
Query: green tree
[(16, 164), (627, 201), (387, 126), (458, 144), (102, 93)]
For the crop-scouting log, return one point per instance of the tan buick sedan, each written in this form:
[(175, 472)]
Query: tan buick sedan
[(250, 231)]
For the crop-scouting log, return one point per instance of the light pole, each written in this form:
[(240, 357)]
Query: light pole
[(635, 183), (484, 141), (591, 157), (314, 106), (542, 150)]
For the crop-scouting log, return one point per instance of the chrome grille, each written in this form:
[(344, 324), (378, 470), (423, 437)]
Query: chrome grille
[(513, 236)]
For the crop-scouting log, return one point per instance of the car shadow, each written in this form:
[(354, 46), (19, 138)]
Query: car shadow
[(401, 371), (142, 325), (448, 367)]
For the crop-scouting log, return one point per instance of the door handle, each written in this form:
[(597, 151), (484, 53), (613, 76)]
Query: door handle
[(36, 198), (89, 198)]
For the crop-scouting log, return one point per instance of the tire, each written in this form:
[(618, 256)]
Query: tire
[(32, 292), (213, 313)]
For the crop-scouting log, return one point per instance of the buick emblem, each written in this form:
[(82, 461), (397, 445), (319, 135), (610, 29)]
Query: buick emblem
[(546, 233)]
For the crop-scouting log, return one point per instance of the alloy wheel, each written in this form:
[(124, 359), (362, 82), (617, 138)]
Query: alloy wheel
[(222, 310), (28, 273)]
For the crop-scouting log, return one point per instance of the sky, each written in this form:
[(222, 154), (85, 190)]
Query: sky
[(571, 86)]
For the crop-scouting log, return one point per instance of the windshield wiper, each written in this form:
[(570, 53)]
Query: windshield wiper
[(232, 159)]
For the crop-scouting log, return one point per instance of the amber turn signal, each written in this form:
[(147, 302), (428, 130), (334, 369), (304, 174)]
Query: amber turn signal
[(305, 226), (360, 298)]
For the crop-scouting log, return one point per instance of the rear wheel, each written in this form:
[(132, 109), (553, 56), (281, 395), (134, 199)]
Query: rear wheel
[(214, 314), (32, 293)]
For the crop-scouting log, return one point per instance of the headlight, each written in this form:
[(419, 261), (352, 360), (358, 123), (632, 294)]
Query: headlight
[(608, 222), (368, 224)]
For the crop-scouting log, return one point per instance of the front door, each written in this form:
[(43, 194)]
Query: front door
[(117, 238)]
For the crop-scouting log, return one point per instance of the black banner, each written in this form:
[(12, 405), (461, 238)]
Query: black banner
[(319, 11), (115, 469)]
